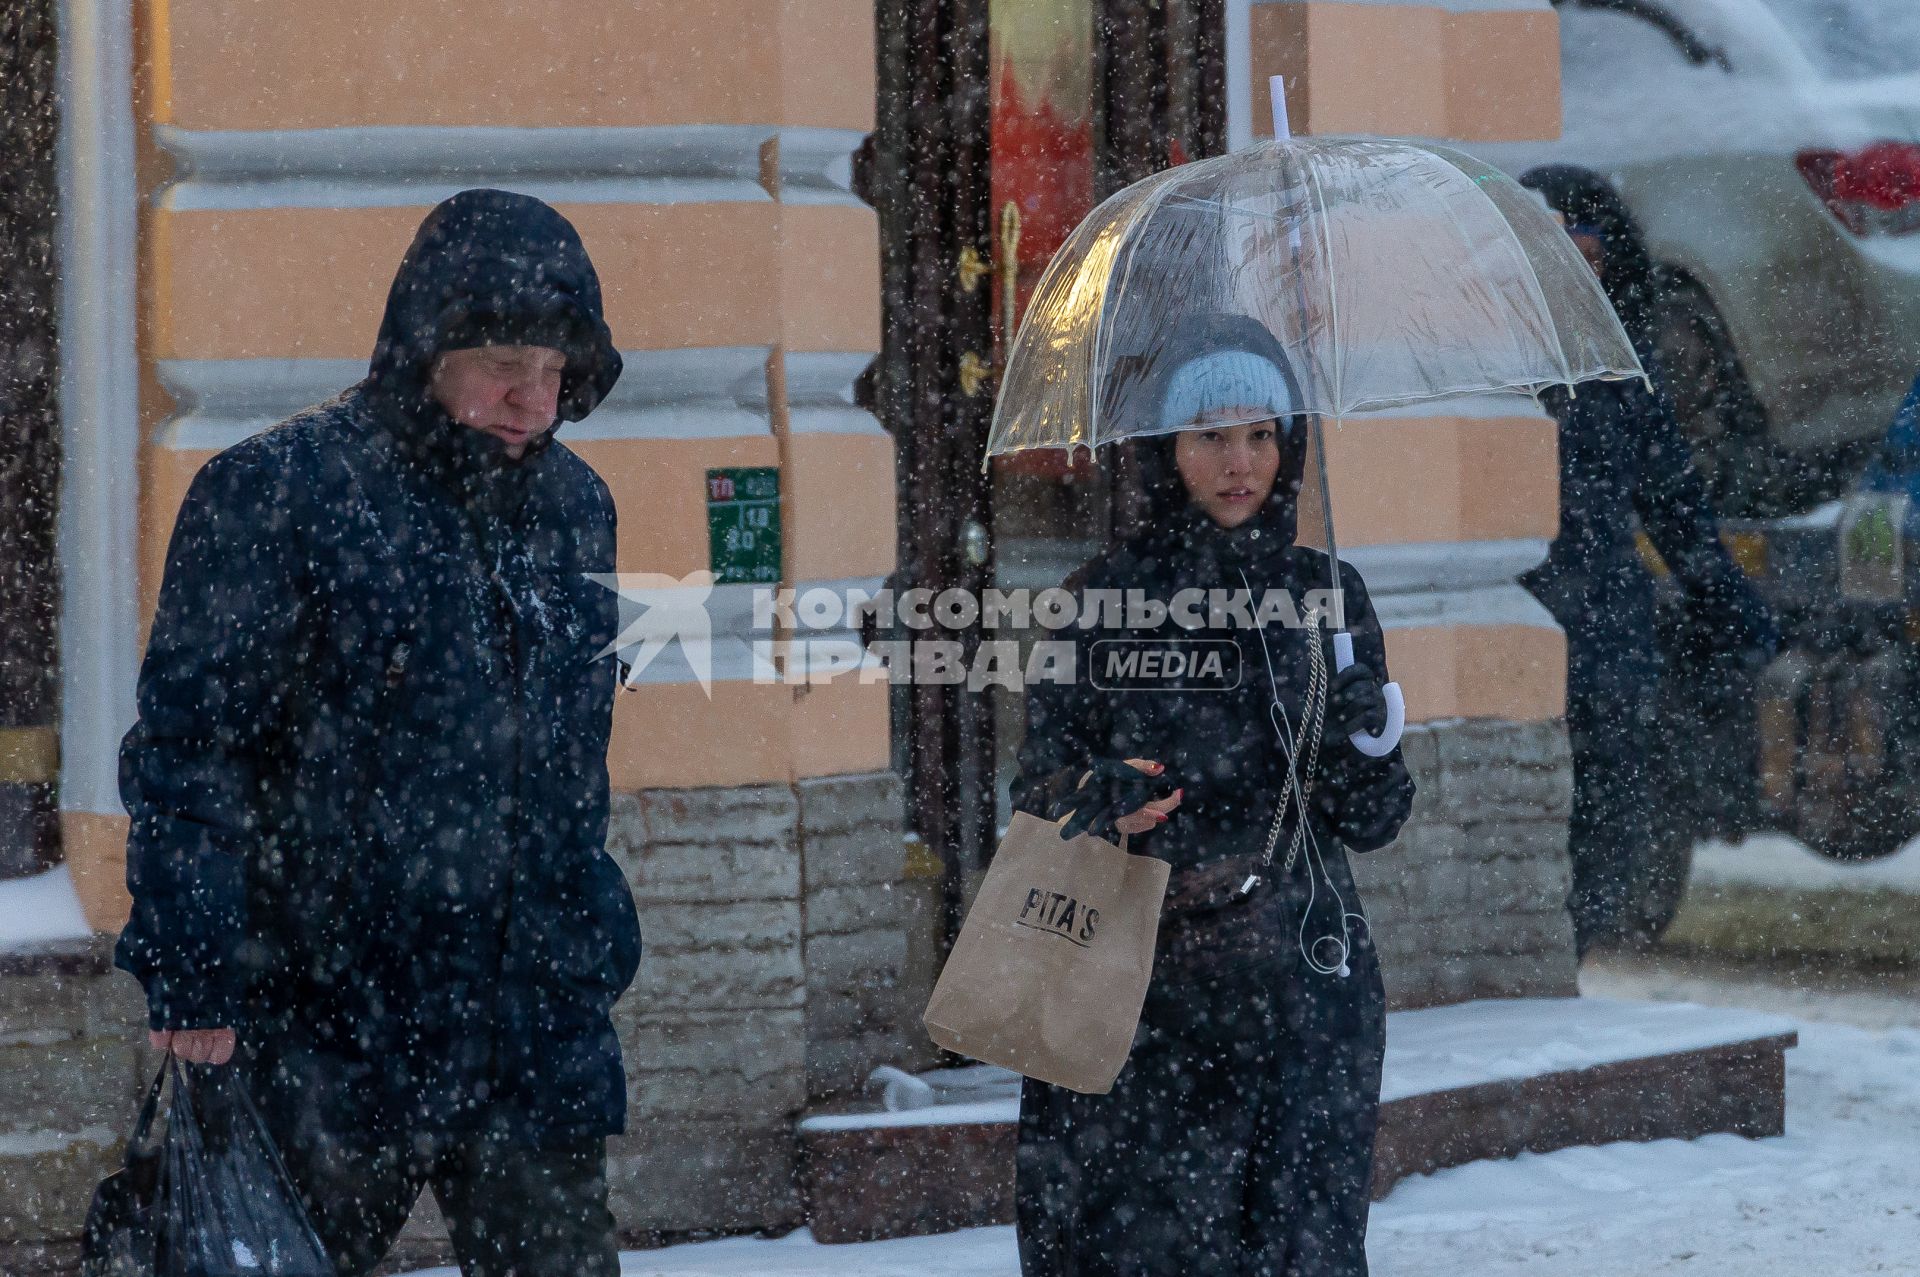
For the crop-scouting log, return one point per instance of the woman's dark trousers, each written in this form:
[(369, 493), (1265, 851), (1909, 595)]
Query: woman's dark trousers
[(1238, 1141), (1612, 703)]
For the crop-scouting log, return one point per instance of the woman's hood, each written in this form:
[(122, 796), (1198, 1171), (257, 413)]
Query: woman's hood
[(1170, 512)]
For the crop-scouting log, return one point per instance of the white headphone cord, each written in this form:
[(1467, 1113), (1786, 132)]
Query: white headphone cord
[(1290, 745)]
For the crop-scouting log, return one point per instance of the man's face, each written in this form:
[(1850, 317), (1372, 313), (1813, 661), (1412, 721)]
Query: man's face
[(1594, 249), (510, 392)]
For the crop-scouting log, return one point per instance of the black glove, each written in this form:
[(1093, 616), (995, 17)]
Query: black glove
[(1365, 801), (1114, 788), (1354, 703)]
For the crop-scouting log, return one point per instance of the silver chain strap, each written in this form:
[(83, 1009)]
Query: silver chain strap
[(1299, 773)]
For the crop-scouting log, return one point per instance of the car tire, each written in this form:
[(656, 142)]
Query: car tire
[(1713, 401), (1853, 797)]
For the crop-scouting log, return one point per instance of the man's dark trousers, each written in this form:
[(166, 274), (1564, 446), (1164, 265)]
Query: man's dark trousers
[(511, 1211), (514, 1207)]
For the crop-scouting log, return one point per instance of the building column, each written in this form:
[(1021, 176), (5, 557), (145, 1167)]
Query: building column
[(97, 529)]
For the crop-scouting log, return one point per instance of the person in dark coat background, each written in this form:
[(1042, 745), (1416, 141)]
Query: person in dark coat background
[(368, 781), (1239, 1137), (1624, 467)]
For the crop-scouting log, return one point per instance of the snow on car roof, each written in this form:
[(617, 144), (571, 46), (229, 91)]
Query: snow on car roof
[(1857, 39)]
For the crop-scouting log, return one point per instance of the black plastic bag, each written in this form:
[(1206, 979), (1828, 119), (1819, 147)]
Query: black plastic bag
[(210, 1198)]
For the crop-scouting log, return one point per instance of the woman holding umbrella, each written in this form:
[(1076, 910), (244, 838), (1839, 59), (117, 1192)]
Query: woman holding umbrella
[(1239, 1138), (1214, 316)]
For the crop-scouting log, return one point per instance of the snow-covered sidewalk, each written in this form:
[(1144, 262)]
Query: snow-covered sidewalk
[(1836, 1196), (1772, 895), (40, 909)]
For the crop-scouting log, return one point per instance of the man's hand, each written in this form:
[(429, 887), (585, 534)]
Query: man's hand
[(195, 1046)]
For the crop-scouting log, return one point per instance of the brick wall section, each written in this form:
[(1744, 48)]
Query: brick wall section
[(1470, 902), (787, 953), (870, 933)]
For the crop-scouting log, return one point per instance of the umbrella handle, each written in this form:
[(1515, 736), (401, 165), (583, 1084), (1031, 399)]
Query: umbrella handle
[(1383, 744)]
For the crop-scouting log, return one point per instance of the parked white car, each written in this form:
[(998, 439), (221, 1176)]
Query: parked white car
[(1770, 151)]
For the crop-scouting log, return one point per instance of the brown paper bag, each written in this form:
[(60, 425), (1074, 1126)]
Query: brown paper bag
[(1051, 968)]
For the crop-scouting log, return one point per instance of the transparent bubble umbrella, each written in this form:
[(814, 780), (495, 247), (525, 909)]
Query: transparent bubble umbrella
[(1388, 273)]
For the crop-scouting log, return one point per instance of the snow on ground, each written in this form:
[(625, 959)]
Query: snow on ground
[(1836, 1196), (979, 1252), (1512, 1039), (39, 909), (1783, 862)]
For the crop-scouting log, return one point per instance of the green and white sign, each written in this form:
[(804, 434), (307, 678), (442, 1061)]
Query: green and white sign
[(1873, 547), (743, 525)]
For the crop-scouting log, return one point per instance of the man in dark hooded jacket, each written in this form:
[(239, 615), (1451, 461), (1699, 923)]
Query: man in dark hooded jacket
[(1624, 467), (368, 783)]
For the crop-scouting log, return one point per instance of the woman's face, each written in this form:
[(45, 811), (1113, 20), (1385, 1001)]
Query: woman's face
[(1229, 470)]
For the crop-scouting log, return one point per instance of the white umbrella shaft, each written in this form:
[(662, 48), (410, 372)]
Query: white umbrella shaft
[(1383, 744)]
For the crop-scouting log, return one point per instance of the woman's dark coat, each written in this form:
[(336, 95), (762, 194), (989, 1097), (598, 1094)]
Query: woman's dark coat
[(368, 783), (1239, 1138)]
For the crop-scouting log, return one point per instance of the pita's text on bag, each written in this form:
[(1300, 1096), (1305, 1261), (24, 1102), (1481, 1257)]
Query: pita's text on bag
[(1051, 967)]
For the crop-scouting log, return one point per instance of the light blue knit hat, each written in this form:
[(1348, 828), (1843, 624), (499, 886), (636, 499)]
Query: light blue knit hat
[(1227, 386)]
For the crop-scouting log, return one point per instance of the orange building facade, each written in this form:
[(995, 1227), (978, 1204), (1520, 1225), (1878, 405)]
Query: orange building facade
[(286, 153)]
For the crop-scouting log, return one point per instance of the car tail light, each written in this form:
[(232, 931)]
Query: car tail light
[(1873, 191)]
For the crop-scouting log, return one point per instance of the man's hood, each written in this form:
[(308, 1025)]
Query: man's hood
[(1586, 200), (492, 267)]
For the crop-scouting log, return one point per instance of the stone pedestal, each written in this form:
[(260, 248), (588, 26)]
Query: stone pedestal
[(73, 1067), (1471, 900)]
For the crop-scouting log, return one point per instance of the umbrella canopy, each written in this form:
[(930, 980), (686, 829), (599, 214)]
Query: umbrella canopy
[(1390, 273)]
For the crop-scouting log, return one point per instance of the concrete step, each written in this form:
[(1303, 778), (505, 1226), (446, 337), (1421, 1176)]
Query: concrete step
[(1475, 1080)]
